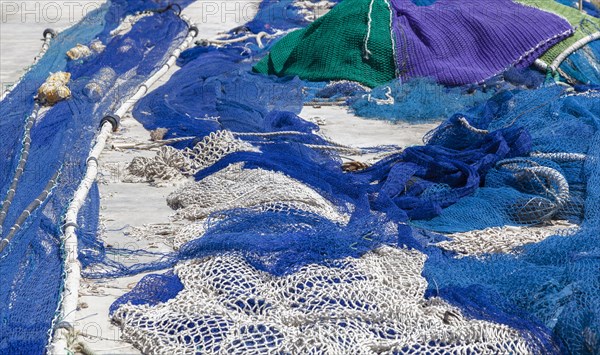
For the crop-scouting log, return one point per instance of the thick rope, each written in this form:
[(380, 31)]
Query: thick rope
[(468, 126), (150, 145), (70, 295), (574, 47), (552, 181), (560, 157)]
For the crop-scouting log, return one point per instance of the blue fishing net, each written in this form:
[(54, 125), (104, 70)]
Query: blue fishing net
[(552, 280), (471, 174), (415, 101), (216, 91), (479, 168), (557, 123), (61, 137)]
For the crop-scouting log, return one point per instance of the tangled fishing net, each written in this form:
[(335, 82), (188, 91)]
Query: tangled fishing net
[(482, 240), (236, 187), (372, 304)]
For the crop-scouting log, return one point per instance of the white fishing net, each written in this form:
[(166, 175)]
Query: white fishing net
[(170, 163), (504, 239), (236, 187), (374, 304)]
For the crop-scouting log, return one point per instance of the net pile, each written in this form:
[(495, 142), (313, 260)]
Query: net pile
[(284, 252), (422, 100), (276, 248), (371, 305), (54, 152), (382, 40), (235, 187)]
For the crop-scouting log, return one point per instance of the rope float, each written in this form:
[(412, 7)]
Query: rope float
[(39, 200), (20, 167), (48, 35), (108, 124)]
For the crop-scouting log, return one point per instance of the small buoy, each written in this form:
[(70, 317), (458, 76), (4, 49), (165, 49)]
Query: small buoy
[(100, 84), (54, 89), (97, 46), (78, 52)]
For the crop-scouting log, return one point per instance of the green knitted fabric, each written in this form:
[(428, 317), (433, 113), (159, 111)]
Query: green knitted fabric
[(575, 18), (333, 47)]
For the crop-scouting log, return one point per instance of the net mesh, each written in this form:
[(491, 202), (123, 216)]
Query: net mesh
[(282, 219), (235, 187), (226, 305), (276, 248), (59, 141), (353, 42)]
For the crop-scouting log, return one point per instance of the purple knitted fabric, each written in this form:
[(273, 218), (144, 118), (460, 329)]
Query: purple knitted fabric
[(460, 42)]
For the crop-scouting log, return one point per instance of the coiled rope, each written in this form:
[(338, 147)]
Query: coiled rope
[(551, 180)]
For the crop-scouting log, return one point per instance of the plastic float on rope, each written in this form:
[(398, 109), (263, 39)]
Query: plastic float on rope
[(55, 89), (78, 52), (114, 120), (21, 165), (37, 202)]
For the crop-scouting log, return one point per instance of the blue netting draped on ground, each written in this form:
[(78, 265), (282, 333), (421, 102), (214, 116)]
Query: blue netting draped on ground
[(61, 137), (422, 100), (406, 189), (554, 280), (217, 92), (516, 150), (483, 167)]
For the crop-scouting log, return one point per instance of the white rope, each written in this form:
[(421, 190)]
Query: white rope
[(150, 145), (540, 64), (47, 38), (70, 294), (368, 53), (258, 38), (560, 157), (571, 49), (468, 126)]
